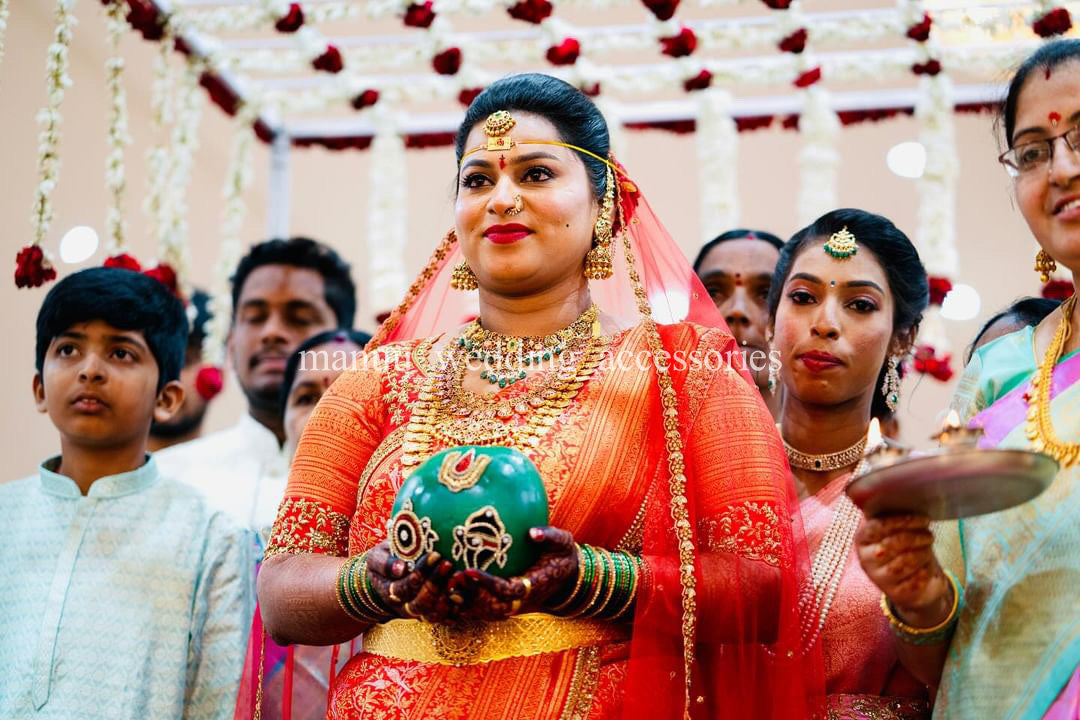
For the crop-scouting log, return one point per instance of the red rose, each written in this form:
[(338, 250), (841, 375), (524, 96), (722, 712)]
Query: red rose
[(220, 93), (467, 95), (164, 275), (928, 363), (123, 260), (292, 20), (921, 30), (939, 288), (532, 11), (778, 4), (420, 15), (565, 53), (209, 381), (591, 90), (32, 268), (448, 62), (791, 122), (808, 78), (699, 82), (1058, 290), (1055, 22), (680, 45), (143, 16), (794, 43), (330, 61), (365, 99), (930, 67), (662, 9)]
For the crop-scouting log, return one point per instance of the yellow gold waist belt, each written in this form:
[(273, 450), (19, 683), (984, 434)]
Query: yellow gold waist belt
[(468, 644)]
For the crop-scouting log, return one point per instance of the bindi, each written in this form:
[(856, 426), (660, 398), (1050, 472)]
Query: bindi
[(502, 162), (1054, 118), (738, 279)]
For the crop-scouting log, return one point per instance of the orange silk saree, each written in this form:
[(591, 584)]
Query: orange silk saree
[(604, 466)]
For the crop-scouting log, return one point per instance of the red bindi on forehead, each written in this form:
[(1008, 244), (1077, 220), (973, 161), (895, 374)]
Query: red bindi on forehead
[(502, 162), (1054, 118)]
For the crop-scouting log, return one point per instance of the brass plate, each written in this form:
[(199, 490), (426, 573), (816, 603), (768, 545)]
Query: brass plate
[(951, 484)]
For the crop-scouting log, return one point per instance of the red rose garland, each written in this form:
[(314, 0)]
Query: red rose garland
[(777, 4), (124, 261), (166, 276), (701, 81), (330, 61), (209, 381), (365, 99), (928, 363), (420, 15), (662, 9), (32, 268), (920, 31), (290, 21), (939, 288), (1056, 22), (794, 43), (930, 67), (467, 95), (530, 11), (806, 79), (680, 45), (448, 62), (565, 53)]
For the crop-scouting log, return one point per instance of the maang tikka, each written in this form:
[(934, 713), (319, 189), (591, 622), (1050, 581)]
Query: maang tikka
[(841, 245)]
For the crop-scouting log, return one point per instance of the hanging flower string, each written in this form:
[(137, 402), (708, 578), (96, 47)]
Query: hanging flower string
[(4, 8), (32, 265), (237, 181), (162, 94), (117, 135), (718, 150)]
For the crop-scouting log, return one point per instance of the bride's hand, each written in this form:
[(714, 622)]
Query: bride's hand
[(419, 593), (897, 554), (488, 597)]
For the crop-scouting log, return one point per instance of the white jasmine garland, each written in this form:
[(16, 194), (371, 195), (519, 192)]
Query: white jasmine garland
[(162, 92), (818, 158), (117, 134), (718, 149), (237, 180), (387, 221), (4, 9), (173, 246), (57, 80)]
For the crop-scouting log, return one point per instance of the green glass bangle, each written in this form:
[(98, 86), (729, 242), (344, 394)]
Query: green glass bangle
[(612, 581), (631, 594), (372, 597), (601, 583), (345, 596), (623, 575)]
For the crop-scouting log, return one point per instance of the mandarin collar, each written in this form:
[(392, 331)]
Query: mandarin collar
[(110, 486)]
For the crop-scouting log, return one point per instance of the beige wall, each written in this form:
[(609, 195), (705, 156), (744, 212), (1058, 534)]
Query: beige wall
[(329, 191)]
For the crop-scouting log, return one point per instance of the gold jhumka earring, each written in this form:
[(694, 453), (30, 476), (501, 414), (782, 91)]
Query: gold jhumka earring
[(891, 387), (463, 278), (1044, 265), (598, 263)]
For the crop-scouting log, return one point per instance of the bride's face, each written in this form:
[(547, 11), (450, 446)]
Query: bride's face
[(544, 245)]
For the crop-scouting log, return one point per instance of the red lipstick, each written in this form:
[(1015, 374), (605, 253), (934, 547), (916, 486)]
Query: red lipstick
[(506, 234), (819, 361)]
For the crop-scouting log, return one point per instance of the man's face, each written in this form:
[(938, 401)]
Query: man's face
[(279, 307), (737, 274), (99, 386)]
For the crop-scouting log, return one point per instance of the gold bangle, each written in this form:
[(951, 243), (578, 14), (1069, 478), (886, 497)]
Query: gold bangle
[(612, 582), (923, 636), (577, 585), (528, 586), (345, 598), (598, 579)]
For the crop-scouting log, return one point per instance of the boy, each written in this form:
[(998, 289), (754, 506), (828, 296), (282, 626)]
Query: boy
[(122, 594)]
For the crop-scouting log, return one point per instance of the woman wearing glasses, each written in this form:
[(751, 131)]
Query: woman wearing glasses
[(1015, 650)]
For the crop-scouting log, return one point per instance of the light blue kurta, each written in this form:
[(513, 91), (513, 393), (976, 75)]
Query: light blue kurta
[(131, 602)]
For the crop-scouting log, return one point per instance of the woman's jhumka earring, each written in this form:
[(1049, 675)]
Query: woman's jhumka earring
[(598, 265), (774, 377), (891, 387), (463, 278), (841, 245), (1044, 265)]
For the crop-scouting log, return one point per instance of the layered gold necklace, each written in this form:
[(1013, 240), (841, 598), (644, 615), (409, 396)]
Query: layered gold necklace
[(1040, 425), (445, 411)]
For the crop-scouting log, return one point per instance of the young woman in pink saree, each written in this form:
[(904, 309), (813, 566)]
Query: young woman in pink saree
[(659, 460), (846, 300)]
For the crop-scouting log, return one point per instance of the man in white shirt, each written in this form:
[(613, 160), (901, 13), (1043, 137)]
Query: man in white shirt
[(283, 292)]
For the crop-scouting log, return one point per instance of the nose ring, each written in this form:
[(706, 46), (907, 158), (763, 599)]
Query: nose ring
[(519, 205)]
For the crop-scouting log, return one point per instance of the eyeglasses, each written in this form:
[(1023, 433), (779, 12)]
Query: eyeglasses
[(1036, 155)]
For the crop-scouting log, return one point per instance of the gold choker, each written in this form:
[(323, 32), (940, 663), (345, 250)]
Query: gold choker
[(827, 461)]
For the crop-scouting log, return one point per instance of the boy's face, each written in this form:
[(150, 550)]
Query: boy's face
[(99, 386)]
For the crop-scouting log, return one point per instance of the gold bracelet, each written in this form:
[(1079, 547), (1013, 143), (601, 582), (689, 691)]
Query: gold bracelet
[(923, 636), (577, 585)]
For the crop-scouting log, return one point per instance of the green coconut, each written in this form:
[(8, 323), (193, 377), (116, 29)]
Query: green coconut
[(474, 506)]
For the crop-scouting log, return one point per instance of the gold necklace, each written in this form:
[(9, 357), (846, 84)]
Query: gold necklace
[(506, 356), (1040, 425), (446, 412), (827, 461)]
